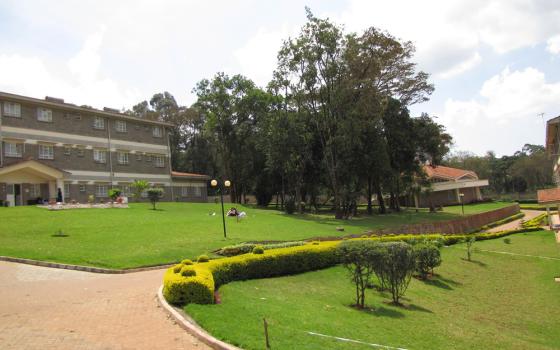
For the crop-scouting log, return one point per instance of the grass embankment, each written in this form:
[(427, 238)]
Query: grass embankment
[(494, 302), (138, 236)]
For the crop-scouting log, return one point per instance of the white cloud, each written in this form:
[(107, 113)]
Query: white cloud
[(461, 67), (505, 112), (553, 45), (81, 82)]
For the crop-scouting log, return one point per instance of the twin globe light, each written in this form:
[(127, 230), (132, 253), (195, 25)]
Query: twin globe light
[(214, 183)]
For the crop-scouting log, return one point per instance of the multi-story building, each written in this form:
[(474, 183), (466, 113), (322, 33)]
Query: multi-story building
[(49, 145)]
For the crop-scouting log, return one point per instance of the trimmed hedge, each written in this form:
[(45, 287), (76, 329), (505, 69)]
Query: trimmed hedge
[(199, 289), (501, 222), (534, 222), (245, 248)]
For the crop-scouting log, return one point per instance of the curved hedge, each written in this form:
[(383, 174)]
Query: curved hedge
[(199, 289)]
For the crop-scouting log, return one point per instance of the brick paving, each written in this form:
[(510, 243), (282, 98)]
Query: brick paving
[(44, 308)]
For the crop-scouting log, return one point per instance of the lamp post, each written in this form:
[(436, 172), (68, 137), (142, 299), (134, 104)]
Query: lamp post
[(227, 183), (461, 195)]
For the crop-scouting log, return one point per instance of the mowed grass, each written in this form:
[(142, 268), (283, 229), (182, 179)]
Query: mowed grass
[(139, 236), (494, 302)]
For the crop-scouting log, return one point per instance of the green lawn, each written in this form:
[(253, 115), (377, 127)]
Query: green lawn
[(123, 238), (494, 302)]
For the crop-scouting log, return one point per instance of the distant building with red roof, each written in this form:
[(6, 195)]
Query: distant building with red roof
[(448, 186)]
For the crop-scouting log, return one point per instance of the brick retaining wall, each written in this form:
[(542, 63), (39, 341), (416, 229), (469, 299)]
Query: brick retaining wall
[(462, 225)]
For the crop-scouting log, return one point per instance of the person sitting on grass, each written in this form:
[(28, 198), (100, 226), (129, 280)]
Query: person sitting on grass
[(232, 212)]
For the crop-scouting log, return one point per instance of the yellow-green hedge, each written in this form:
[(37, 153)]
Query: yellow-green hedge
[(199, 289)]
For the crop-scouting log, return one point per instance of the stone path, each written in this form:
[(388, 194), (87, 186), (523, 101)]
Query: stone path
[(515, 224), (44, 308)]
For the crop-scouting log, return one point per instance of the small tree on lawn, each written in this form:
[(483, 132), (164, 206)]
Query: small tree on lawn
[(139, 187), (428, 257), (397, 264), (470, 243), (154, 194), (356, 256)]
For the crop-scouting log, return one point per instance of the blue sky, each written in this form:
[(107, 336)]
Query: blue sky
[(495, 64)]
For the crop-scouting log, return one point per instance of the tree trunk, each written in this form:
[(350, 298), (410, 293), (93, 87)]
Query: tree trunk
[(380, 200), (369, 206)]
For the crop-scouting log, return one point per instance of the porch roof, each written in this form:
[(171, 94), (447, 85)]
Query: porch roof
[(34, 168)]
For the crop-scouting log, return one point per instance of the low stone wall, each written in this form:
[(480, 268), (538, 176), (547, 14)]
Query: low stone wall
[(462, 225)]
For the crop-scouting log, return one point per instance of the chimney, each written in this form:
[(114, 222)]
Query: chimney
[(111, 110), (54, 99)]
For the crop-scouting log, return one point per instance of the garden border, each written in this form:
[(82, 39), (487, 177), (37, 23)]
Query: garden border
[(191, 326), (81, 267)]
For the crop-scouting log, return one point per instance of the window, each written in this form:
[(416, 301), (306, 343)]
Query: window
[(122, 157), (12, 109), (184, 191), (138, 157), (156, 131), (191, 191), (120, 126), (46, 152), (34, 191), (160, 161), (67, 150), (66, 190), (12, 149), (80, 151), (126, 190), (98, 123), (198, 191), (100, 156), (44, 115), (148, 158), (101, 190), (82, 188)]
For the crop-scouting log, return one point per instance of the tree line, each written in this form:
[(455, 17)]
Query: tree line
[(331, 126), (526, 170)]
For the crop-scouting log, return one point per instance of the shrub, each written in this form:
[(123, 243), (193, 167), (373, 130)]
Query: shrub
[(470, 242), (397, 263), (114, 193), (290, 206), (507, 241), (534, 222), (177, 268), (188, 271), (154, 194), (202, 258), (258, 249), (359, 258), (186, 262), (428, 257), (199, 289), (248, 247)]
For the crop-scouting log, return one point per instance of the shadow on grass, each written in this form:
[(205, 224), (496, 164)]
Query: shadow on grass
[(59, 235), (438, 283), (413, 307), (477, 262), (382, 311)]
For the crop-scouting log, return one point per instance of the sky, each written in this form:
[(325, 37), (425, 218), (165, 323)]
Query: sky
[(495, 64)]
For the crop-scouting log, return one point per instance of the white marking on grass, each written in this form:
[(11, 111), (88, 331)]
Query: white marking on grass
[(355, 341), (515, 254)]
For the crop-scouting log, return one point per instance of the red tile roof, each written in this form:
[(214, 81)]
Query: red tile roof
[(549, 196), (447, 172), (180, 174)]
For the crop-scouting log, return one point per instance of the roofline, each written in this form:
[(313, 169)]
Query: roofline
[(73, 107)]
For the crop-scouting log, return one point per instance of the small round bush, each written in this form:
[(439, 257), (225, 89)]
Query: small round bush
[(177, 268), (188, 271), (258, 249), (203, 259), (315, 243), (187, 262), (507, 241)]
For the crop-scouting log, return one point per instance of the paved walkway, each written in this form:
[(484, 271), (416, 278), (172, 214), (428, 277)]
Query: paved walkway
[(515, 224), (43, 308)]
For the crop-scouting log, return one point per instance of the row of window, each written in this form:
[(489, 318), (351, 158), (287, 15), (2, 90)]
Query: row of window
[(15, 150), (12, 109), (102, 190)]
